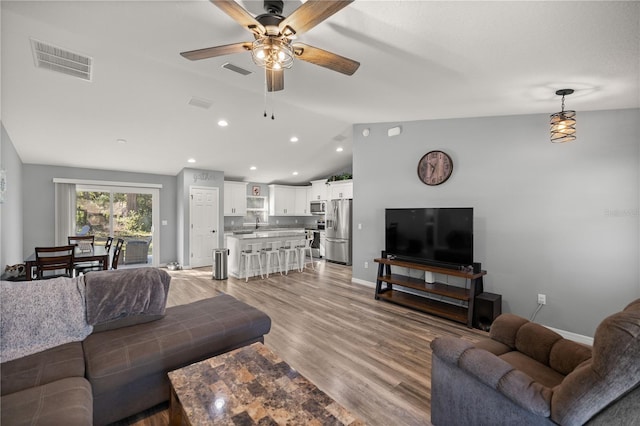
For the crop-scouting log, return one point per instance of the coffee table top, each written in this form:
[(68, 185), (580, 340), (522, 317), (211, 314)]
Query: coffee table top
[(253, 385)]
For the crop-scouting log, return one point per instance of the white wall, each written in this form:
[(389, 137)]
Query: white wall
[(558, 219), (186, 179), (11, 224), (39, 203)]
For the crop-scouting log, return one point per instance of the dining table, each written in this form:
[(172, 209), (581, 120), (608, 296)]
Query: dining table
[(80, 255)]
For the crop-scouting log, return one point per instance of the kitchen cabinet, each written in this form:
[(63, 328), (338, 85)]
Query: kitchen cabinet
[(340, 189), (235, 198), (288, 200), (318, 190), (302, 201), (282, 200)]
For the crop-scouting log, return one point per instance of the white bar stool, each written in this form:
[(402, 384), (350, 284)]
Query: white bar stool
[(251, 252), (290, 250), (304, 247), (271, 253)]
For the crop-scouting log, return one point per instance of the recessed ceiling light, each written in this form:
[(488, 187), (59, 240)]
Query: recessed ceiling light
[(252, 168), (223, 123), (339, 149), (295, 173), (123, 141), (294, 139), (191, 160)]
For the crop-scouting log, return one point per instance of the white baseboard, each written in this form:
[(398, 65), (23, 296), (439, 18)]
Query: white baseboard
[(363, 282), (573, 336)]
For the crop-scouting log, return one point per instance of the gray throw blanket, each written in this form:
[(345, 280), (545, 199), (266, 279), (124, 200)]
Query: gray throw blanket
[(38, 315), (126, 293)]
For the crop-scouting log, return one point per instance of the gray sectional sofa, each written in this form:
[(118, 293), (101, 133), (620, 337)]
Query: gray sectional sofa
[(121, 368), (526, 374)]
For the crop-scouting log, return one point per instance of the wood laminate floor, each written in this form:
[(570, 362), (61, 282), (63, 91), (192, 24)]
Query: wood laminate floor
[(371, 356)]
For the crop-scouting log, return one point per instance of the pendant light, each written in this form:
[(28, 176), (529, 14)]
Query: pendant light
[(563, 123)]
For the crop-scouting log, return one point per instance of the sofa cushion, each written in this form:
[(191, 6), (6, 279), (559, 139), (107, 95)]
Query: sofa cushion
[(505, 328), (125, 297), (188, 333), (541, 373), (567, 355), (42, 368), (63, 402), (493, 346), (536, 341)]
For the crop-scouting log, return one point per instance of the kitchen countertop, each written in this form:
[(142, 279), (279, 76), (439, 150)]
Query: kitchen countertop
[(243, 235)]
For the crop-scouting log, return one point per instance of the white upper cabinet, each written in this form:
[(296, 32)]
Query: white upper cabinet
[(340, 189), (288, 200), (302, 201), (318, 190), (282, 200), (235, 198)]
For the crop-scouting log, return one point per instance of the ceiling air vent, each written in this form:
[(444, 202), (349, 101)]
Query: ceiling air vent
[(200, 102), (235, 68), (61, 60)]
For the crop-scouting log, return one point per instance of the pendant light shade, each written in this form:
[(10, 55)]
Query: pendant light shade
[(563, 123)]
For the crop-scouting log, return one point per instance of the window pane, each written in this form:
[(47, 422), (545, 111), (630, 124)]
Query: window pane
[(132, 218), (92, 214)]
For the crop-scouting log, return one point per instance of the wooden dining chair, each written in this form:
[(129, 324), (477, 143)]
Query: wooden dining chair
[(53, 260), (116, 253), (78, 240), (84, 243), (107, 245), (83, 268)]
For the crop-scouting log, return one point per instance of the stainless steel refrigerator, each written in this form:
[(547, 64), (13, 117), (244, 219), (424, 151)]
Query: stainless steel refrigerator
[(338, 231)]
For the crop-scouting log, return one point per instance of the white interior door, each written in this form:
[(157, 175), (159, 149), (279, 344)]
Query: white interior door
[(204, 225)]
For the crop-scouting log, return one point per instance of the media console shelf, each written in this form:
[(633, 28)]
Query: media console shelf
[(461, 313)]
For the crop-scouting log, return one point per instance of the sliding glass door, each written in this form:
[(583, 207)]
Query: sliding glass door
[(120, 212)]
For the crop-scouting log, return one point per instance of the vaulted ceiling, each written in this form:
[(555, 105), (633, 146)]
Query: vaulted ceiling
[(420, 60)]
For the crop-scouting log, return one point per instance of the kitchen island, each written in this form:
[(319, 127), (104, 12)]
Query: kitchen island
[(238, 241)]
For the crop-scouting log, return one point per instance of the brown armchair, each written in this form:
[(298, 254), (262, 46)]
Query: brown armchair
[(526, 374)]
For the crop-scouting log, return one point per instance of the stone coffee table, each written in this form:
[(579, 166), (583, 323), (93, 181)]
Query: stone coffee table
[(250, 386)]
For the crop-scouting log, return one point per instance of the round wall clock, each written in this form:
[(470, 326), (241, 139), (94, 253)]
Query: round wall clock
[(435, 167)]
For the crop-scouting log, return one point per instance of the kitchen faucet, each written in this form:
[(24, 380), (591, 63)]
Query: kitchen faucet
[(257, 221)]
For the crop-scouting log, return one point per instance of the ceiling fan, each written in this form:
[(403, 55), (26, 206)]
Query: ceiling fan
[(274, 48)]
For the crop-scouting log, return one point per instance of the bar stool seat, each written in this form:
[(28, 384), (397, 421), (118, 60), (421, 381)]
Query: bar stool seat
[(290, 252), (252, 253), (272, 252)]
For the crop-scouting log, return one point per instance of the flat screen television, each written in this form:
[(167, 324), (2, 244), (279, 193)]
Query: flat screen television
[(433, 236)]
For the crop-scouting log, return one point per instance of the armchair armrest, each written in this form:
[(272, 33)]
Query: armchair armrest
[(495, 373)]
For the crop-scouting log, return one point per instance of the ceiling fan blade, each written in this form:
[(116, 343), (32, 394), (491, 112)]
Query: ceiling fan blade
[(325, 59), (240, 15), (275, 80), (212, 52), (311, 14)]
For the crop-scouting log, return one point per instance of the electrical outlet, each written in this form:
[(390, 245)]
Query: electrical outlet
[(366, 265), (542, 299)]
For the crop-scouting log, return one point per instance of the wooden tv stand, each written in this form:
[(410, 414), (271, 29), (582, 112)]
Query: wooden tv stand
[(462, 313)]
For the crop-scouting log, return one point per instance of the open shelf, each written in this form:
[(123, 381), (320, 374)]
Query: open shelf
[(441, 309), (441, 289), (462, 313)]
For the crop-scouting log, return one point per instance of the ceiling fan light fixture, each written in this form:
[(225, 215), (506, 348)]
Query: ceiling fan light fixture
[(563, 123), (272, 53)]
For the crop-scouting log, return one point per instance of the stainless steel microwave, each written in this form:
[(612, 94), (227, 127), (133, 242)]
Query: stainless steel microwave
[(318, 207)]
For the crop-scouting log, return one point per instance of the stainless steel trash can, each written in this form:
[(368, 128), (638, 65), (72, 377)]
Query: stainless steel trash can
[(220, 256)]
